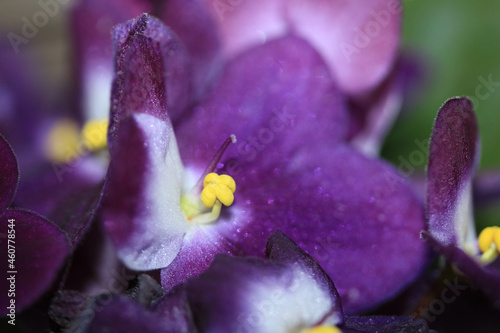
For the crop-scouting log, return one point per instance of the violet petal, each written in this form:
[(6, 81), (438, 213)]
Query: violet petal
[(257, 295), (371, 324), (152, 73), (40, 250), (141, 203), (453, 157), (270, 98)]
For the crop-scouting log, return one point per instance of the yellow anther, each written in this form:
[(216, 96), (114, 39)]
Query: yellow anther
[(218, 187), (94, 134), (489, 244), (322, 329), (61, 144)]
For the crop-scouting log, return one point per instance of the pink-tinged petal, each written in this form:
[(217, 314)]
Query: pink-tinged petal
[(271, 96), (453, 157), (248, 294), (92, 22), (9, 174), (373, 114), (141, 204), (359, 43), (123, 314), (487, 278), (40, 249), (196, 28), (152, 74)]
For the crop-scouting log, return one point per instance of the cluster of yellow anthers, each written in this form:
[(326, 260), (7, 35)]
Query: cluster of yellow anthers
[(217, 190), (322, 329), (489, 244), (66, 142)]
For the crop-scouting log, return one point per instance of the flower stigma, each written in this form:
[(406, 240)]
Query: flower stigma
[(216, 190), (322, 329), (65, 142), (489, 244)]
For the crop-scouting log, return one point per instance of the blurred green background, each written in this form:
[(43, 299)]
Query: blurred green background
[(459, 42)]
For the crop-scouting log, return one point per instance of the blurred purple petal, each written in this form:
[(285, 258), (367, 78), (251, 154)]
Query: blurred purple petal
[(9, 174), (196, 28), (142, 213), (152, 73), (40, 250), (384, 325), (123, 314), (453, 157), (487, 187), (359, 43), (92, 22)]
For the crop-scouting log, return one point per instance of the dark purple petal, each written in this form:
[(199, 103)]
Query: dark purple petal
[(141, 204), (453, 157), (92, 22), (487, 278), (9, 174), (152, 73), (40, 250), (194, 25), (345, 210), (359, 44), (256, 295), (270, 97), (123, 314), (174, 309), (384, 325)]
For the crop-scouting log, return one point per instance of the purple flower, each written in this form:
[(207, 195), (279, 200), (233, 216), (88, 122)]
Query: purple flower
[(453, 159), (34, 248), (292, 166)]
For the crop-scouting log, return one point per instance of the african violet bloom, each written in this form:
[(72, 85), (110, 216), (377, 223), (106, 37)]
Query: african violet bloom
[(285, 292), (34, 247), (453, 158), (291, 169)]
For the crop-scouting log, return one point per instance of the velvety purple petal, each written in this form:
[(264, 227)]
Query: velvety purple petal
[(281, 249), (196, 29), (39, 248), (373, 114), (9, 174), (487, 187), (453, 157), (270, 97), (123, 314), (92, 22), (384, 325), (257, 295), (487, 278), (359, 43), (152, 73), (141, 204)]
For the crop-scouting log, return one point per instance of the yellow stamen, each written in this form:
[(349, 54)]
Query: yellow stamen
[(65, 143), (322, 329), (218, 190), (489, 244)]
